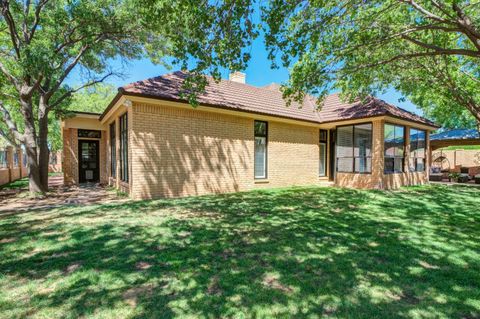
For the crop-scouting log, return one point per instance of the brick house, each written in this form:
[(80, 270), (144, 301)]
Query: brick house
[(151, 143)]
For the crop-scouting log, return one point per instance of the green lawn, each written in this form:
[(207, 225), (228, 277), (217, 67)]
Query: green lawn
[(22, 183), (297, 252), (465, 147)]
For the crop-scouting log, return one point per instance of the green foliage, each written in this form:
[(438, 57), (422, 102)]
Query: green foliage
[(303, 252), (93, 99), (428, 50), (42, 42)]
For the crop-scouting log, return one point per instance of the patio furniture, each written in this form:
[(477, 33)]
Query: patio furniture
[(463, 178), (436, 177)]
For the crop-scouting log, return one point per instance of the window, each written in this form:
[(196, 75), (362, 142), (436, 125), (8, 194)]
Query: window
[(354, 148), (417, 150), (15, 158), (3, 159), (260, 162), (113, 151), (89, 133), (322, 146), (53, 159), (124, 147), (394, 148)]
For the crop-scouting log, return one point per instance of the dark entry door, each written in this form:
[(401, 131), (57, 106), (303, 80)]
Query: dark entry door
[(88, 169), (332, 155)]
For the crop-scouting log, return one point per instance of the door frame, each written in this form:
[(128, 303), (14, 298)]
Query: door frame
[(97, 149), (331, 151)]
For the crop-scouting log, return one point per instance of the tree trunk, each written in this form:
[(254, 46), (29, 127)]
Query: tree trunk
[(43, 154), (35, 184), (30, 137)]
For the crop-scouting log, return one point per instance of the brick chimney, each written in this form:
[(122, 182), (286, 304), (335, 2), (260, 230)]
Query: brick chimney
[(237, 77)]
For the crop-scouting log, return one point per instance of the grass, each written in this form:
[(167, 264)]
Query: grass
[(465, 147), (18, 184), (22, 183), (297, 252)]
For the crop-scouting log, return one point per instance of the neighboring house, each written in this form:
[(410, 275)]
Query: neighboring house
[(151, 143)]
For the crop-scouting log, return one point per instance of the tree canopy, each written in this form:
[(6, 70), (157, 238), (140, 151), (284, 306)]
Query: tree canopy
[(42, 42), (428, 50)]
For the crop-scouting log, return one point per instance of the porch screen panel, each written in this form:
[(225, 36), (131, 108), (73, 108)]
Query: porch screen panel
[(260, 149), (417, 150), (113, 150), (322, 147), (394, 142), (124, 147), (323, 159), (363, 148), (354, 148), (345, 149)]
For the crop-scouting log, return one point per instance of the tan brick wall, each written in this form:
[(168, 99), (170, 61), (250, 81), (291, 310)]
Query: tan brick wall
[(4, 176), (180, 152), (70, 156)]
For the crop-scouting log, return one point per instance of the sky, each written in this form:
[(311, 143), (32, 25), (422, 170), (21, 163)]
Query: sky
[(258, 73)]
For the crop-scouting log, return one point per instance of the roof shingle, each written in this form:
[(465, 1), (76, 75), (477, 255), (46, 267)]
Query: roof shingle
[(267, 100)]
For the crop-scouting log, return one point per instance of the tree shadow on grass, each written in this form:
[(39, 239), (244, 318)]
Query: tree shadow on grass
[(298, 252)]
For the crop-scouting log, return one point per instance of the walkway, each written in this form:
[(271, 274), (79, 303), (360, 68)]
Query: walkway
[(58, 195)]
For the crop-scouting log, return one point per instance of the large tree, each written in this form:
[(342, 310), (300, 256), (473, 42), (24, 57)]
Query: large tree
[(42, 42), (429, 50)]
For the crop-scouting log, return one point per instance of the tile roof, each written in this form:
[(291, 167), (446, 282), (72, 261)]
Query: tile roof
[(456, 134), (266, 100)]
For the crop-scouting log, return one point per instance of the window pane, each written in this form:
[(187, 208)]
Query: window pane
[(323, 159), (363, 164), (260, 128), (420, 165), (398, 165), (389, 140), (345, 141), (345, 164), (389, 164), (399, 140), (363, 140), (260, 157)]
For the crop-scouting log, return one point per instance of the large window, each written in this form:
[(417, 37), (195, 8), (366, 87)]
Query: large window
[(322, 146), (124, 147), (113, 150), (261, 136), (3, 159), (354, 148), (394, 148), (417, 150), (15, 158)]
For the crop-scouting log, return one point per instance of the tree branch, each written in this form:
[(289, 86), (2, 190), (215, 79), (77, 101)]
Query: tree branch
[(36, 21), (12, 126), (422, 10), (441, 50), (10, 77), (8, 137), (395, 58), (11, 26), (70, 92), (67, 71)]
